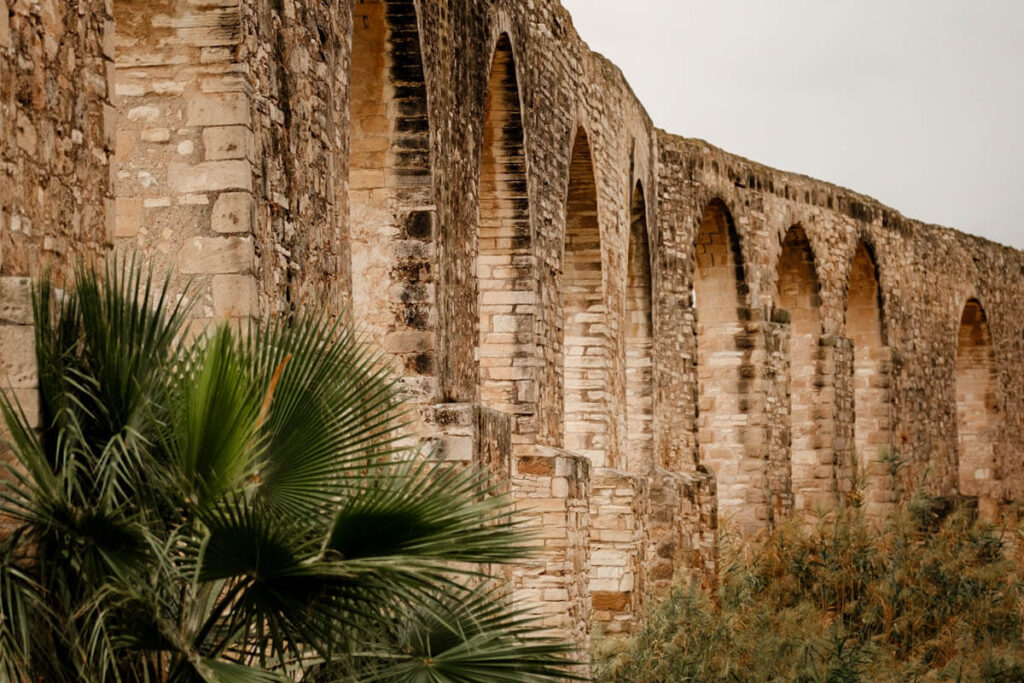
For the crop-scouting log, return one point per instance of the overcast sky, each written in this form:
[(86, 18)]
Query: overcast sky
[(918, 103)]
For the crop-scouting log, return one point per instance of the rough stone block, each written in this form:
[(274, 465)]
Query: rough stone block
[(539, 466), (232, 212), (211, 255), (127, 216), (17, 357), (16, 300), (409, 342), (154, 135), (25, 134), (210, 176), (457, 448), (612, 602), (219, 109), (227, 142), (234, 296)]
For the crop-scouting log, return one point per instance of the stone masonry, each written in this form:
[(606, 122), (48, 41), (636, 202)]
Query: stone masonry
[(645, 338)]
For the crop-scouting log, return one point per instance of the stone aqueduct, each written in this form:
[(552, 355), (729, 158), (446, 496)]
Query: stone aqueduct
[(645, 335)]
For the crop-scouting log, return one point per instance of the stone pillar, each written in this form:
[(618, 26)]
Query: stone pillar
[(185, 167), (776, 416), (824, 417), (552, 491), (849, 475), (619, 510), (469, 433), (682, 531), (878, 462)]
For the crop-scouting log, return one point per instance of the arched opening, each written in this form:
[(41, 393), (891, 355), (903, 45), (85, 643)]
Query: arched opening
[(977, 406), (813, 480), (390, 185), (639, 330), (870, 383), (718, 295), (505, 273), (584, 342)]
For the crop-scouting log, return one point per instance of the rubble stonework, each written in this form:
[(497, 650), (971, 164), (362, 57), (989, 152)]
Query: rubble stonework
[(647, 338)]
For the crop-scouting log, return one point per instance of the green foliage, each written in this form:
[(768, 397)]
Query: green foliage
[(929, 596), (235, 507)]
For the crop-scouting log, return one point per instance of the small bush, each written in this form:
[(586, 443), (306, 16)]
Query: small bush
[(929, 596)]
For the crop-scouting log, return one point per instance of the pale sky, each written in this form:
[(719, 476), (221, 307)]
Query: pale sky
[(917, 103)]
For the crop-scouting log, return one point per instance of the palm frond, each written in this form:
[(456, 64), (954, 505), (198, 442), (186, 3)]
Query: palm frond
[(466, 636), (215, 440), (334, 409), (420, 508)]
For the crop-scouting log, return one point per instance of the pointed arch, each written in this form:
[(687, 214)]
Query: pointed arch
[(639, 330), (719, 299), (584, 341), (977, 404), (799, 294), (390, 181), (865, 328), (505, 262)]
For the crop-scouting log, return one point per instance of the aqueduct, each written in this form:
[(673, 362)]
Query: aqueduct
[(646, 336)]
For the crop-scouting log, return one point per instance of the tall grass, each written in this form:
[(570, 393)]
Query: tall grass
[(931, 595)]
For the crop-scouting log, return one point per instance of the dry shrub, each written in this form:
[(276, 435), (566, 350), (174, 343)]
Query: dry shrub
[(931, 595)]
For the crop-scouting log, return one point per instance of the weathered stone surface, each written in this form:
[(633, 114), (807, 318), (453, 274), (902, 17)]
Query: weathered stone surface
[(15, 301), (17, 356), (227, 142), (232, 212), (205, 255), (234, 296), (221, 109), (5, 30), (641, 335), (210, 176)]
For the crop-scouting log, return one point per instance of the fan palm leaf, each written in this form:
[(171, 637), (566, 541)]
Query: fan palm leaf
[(238, 506)]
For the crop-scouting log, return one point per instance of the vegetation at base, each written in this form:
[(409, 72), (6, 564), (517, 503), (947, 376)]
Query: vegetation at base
[(235, 507), (930, 596)]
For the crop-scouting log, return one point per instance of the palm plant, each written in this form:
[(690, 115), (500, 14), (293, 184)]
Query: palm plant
[(236, 507)]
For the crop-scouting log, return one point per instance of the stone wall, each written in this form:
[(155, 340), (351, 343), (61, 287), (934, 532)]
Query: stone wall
[(56, 133), (641, 335)]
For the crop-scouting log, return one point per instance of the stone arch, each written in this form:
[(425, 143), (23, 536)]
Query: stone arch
[(584, 340), (977, 407), (505, 262), (865, 327), (719, 299), (639, 328), (799, 294), (390, 180)]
